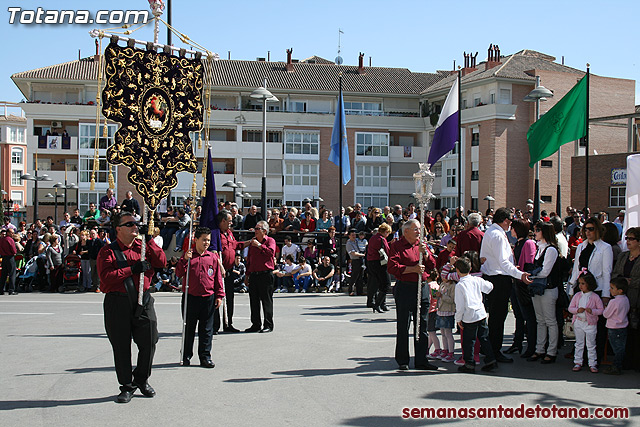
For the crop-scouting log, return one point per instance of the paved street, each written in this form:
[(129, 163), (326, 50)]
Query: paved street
[(328, 362)]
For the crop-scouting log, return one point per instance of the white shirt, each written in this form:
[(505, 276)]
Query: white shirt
[(582, 303), (292, 250), (497, 251), (550, 257), (563, 244), (469, 305)]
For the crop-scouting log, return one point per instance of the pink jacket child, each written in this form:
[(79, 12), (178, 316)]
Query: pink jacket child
[(594, 303)]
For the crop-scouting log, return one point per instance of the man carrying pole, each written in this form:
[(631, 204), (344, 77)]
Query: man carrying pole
[(203, 293), (119, 266)]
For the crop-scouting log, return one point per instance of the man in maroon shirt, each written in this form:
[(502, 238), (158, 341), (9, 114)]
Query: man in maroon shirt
[(8, 253), (229, 246), (119, 280), (379, 282), (404, 255), (260, 266), (205, 295), (469, 239)]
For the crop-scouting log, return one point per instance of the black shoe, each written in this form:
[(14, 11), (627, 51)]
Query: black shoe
[(125, 396), (206, 362), (403, 367), (427, 367), (13, 293), (369, 305), (514, 349), (186, 362), (231, 330), (491, 366), (384, 308), (466, 369), (252, 329), (527, 354), (1, 292), (503, 359), (548, 360), (146, 390), (266, 330), (377, 310), (535, 357), (215, 332)]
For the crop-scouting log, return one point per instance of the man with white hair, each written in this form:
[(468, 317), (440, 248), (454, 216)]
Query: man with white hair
[(470, 239), (403, 263)]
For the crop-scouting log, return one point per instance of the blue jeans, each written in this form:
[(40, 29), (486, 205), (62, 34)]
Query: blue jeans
[(181, 234), (618, 340), (304, 281)]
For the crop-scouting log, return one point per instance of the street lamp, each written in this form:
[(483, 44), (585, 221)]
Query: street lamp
[(263, 94), (35, 178), (489, 199), (232, 185), (7, 200), (55, 209), (540, 93), (423, 180)]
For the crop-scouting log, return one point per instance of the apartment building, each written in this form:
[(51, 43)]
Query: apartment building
[(13, 161)]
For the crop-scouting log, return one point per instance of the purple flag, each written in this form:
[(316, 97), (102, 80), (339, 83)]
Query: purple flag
[(446, 134)]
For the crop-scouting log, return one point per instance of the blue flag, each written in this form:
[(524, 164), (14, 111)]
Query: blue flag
[(339, 139), (446, 134), (210, 207)]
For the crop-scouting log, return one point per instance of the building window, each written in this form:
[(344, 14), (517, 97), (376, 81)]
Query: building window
[(546, 199), (372, 176), (298, 106), (492, 98), (477, 100), (44, 164), (16, 156), (301, 174), (451, 177), (475, 139), (449, 202), (474, 203), (372, 144), (86, 198), (363, 108), (15, 177), (256, 136), (505, 96), (475, 175), (301, 142), (464, 104), (546, 163), (86, 168), (88, 134), (370, 199), (617, 197), (16, 196)]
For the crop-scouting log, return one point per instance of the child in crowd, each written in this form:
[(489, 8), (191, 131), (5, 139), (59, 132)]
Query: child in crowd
[(471, 316), (445, 254), (338, 278), (302, 275), (238, 274), (445, 319), (586, 306), (617, 322), (432, 316)]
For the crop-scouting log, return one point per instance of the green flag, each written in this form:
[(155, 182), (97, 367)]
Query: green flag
[(564, 122)]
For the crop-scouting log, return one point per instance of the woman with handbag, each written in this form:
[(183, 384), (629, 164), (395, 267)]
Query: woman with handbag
[(544, 303), (377, 256), (628, 267)]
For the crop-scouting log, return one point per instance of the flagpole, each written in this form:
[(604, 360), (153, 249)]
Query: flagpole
[(340, 260), (536, 181), (459, 140), (586, 138)]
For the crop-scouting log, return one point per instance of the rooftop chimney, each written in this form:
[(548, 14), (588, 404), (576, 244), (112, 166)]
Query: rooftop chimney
[(469, 63), (493, 56), (289, 65), (360, 63)]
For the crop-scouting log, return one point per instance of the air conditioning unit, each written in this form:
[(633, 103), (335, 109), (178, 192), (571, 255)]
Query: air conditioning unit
[(56, 125)]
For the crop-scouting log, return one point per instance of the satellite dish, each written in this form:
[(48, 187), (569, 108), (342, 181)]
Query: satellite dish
[(339, 60)]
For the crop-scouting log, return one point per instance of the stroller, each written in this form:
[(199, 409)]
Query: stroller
[(27, 275), (71, 274)]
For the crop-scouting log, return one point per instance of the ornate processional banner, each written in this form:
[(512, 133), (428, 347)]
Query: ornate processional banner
[(157, 98)]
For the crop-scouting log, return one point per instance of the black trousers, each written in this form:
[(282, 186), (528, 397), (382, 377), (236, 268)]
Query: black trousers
[(356, 284), (378, 284), (229, 296), (261, 293), (469, 333), (8, 272), (498, 304), (199, 311), (528, 316), (121, 326), (406, 295)]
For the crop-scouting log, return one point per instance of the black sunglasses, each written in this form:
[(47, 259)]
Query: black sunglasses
[(129, 224), (589, 228)]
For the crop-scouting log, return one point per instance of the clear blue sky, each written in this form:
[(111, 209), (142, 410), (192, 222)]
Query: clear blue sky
[(420, 35)]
